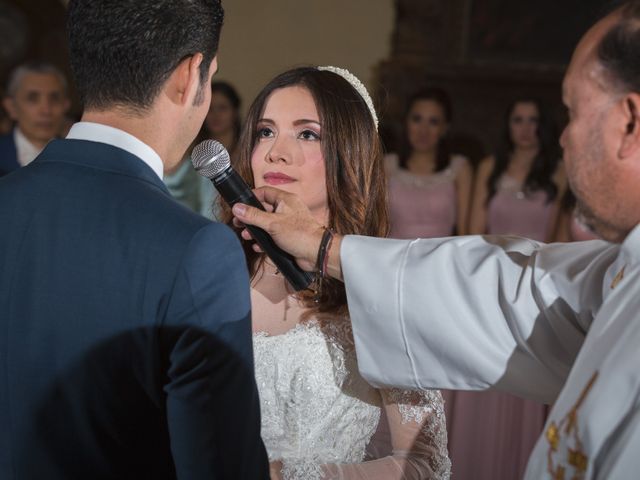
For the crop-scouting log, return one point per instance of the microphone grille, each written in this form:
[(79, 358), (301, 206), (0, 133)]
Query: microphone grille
[(210, 158)]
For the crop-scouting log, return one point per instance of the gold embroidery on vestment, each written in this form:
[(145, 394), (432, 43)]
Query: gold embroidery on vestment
[(559, 473), (578, 460), (618, 278), (552, 436), (570, 428)]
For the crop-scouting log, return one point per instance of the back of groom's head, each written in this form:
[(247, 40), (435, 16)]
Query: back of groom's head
[(123, 51)]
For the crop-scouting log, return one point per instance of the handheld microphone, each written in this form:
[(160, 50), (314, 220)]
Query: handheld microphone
[(211, 160)]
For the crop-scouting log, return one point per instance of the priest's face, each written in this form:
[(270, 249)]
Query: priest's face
[(601, 182)]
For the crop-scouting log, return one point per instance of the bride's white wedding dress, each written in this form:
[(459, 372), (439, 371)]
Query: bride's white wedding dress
[(319, 415)]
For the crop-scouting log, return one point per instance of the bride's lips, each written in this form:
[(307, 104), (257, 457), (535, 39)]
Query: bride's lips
[(276, 178)]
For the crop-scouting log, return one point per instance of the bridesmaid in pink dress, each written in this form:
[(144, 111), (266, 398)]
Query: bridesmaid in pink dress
[(429, 189), (517, 192)]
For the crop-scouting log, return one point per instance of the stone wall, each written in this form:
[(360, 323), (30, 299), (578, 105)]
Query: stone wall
[(432, 46)]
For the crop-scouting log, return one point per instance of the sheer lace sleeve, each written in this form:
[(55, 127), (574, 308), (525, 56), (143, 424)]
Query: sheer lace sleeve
[(416, 428)]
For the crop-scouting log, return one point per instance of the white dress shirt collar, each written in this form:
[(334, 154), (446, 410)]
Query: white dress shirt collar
[(97, 132), (25, 150)]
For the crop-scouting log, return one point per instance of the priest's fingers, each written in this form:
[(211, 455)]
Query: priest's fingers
[(291, 226)]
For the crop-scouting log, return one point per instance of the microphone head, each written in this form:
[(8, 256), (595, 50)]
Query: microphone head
[(210, 158)]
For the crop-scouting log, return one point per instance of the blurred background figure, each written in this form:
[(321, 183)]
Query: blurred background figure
[(223, 120), (6, 125), (429, 187), (36, 101), (517, 191), (221, 124), (570, 227)]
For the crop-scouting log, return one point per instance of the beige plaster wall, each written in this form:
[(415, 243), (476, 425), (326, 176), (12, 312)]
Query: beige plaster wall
[(263, 38)]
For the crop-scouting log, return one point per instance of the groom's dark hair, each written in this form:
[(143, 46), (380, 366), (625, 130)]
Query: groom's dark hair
[(123, 51)]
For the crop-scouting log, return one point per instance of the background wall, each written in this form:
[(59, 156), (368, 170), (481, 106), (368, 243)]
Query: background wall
[(32, 29), (262, 39), (484, 52), (259, 39)]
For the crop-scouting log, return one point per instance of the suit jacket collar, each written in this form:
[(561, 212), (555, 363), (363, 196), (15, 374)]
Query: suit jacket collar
[(99, 156)]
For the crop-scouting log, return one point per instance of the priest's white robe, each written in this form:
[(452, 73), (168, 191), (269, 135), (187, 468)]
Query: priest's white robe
[(556, 323)]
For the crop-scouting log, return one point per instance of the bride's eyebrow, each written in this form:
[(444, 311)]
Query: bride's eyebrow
[(305, 120), (302, 121)]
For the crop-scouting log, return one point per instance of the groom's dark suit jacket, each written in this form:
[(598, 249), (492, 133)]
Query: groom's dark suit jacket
[(125, 337), (8, 154)]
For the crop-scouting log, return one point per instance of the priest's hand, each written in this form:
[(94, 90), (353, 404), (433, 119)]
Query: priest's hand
[(291, 226)]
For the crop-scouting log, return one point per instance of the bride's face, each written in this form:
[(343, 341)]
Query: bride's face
[(288, 153)]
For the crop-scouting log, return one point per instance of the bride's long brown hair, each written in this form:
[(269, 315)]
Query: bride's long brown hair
[(355, 176)]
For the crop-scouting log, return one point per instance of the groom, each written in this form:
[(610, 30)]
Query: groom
[(125, 338)]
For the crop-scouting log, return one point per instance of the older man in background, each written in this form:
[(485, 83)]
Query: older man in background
[(37, 101)]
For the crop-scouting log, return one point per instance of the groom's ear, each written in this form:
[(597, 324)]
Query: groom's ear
[(182, 85)]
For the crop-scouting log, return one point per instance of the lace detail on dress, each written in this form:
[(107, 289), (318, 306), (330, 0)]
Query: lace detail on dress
[(316, 408), (318, 414), (307, 470), (339, 332), (447, 175), (415, 405), (418, 406), (425, 181)]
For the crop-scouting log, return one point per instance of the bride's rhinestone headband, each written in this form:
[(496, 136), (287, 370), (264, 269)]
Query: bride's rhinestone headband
[(357, 84)]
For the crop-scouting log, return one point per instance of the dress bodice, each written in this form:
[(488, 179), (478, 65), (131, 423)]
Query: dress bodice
[(423, 206), (513, 211), (309, 385), (318, 414)]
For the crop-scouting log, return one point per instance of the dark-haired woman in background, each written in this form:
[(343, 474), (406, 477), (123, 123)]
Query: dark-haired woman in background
[(517, 192), (222, 123), (429, 188)]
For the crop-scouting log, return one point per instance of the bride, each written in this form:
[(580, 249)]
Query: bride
[(313, 131)]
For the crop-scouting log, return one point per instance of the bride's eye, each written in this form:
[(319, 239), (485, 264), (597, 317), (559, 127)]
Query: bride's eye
[(265, 132), (309, 135)]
